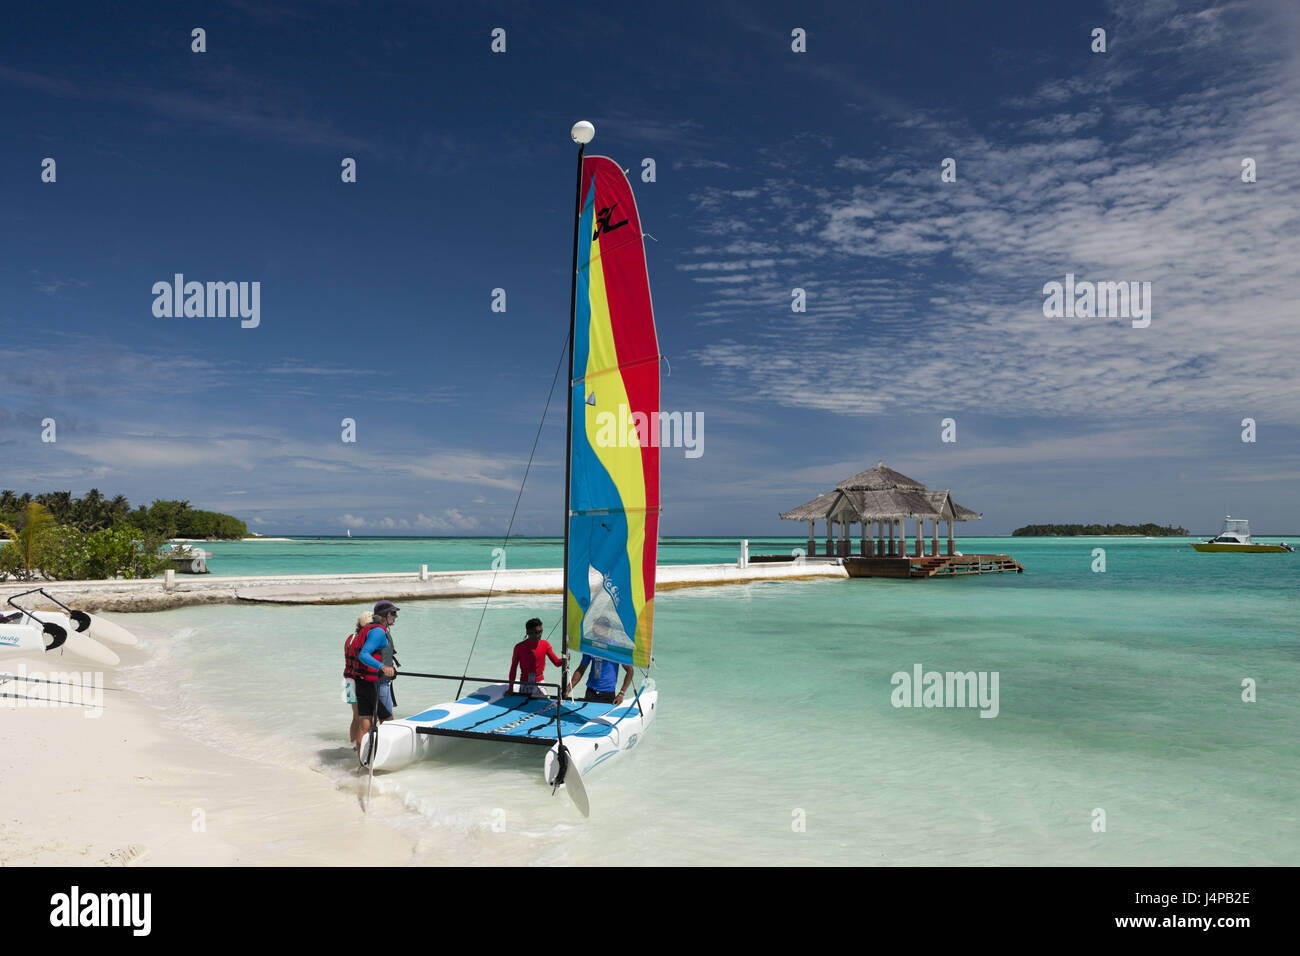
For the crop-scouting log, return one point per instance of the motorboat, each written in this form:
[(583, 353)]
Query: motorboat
[(1235, 536)]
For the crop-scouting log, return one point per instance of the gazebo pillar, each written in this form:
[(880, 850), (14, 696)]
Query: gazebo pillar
[(949, 536), (920, 536), (812, 539), (830, 536), (902, 536), (862, 542), (934, 532)]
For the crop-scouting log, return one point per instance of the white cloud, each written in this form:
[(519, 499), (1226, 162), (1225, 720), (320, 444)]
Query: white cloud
[(1103, 183)]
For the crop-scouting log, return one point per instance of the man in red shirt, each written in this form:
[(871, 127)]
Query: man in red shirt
[(530, 660)]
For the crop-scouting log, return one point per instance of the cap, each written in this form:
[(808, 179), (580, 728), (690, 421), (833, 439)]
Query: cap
[(385, 607)]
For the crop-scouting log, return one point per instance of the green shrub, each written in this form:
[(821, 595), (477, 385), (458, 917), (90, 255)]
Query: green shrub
[(127, 552)]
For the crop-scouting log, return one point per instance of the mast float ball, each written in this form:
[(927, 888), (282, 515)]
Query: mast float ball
[(582, 132)]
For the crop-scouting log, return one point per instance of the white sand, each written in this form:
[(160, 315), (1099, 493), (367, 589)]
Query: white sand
[(120, 789)]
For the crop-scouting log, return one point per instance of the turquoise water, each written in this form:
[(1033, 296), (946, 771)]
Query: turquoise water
[(1118, 691), (362, 555)]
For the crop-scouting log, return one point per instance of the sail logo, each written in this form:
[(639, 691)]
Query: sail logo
[(1098, 300), (602, 222), (952, 689), (663, 429), (208, 300), (610, 588), (74, 909)]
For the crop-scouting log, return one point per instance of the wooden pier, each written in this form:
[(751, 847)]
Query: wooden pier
[(930, 566)]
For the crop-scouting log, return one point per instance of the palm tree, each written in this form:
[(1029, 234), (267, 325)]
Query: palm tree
[(91, 511), (119, 510), (37, 524), (59, 503)]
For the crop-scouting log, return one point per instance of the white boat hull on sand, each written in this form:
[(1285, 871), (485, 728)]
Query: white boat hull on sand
[(79, 643), (102, 629), (23, 640)]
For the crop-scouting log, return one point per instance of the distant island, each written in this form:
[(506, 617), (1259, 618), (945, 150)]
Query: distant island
[(1072, 530)]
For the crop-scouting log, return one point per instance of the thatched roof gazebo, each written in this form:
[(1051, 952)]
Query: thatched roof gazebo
[(883, 498)]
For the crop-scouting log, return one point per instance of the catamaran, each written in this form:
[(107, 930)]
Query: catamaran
[(611, 528), (1235, 536), (24, 631)]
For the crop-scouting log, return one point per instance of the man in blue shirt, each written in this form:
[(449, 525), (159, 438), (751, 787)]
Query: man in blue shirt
[(600, 685), (374, 696)]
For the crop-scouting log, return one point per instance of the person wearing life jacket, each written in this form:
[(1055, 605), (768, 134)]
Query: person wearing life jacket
[(373, 649), (351, 668)]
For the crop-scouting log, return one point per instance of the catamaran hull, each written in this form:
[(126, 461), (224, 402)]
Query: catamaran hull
[(79, 642), (601, 740), (29, 639), (399, 743), (102, 629), (20, 639)]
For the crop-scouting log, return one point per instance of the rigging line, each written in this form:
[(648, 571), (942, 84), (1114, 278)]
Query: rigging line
[(602, 253), (618, 368), (636, 699), (510, 527)]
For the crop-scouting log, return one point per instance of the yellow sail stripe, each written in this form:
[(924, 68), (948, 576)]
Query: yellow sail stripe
[(622, 459)]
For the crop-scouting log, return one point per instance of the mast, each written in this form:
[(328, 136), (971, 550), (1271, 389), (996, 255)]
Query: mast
[(582, 134)]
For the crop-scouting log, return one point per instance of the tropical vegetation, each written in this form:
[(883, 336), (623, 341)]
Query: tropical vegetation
[(1071, 530), (55, 536)]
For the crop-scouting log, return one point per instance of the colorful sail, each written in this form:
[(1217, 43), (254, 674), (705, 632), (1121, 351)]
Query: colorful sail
[(614, 465)]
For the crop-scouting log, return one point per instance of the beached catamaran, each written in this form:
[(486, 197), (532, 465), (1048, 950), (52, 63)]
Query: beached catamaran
[(24, 631), (611, 510)]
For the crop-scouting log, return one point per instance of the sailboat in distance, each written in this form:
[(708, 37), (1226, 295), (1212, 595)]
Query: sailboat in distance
[(611, 529)]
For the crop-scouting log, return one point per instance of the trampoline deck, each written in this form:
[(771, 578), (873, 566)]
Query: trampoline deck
[(511, 719)]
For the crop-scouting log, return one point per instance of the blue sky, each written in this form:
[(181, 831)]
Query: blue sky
[(775, 170)]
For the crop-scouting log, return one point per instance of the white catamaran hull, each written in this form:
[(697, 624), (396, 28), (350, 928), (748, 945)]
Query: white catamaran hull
[(79, 643), (591, 743), (22, 639), (102, 629), (398, 742), (605, 738), (29, 639)]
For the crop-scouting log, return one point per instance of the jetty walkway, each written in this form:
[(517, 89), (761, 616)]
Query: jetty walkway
[(163, 593)]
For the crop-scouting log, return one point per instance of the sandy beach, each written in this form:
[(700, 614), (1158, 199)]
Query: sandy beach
[(123, 789)]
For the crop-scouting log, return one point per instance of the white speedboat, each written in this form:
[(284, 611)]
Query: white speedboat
[(1235, 537)]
